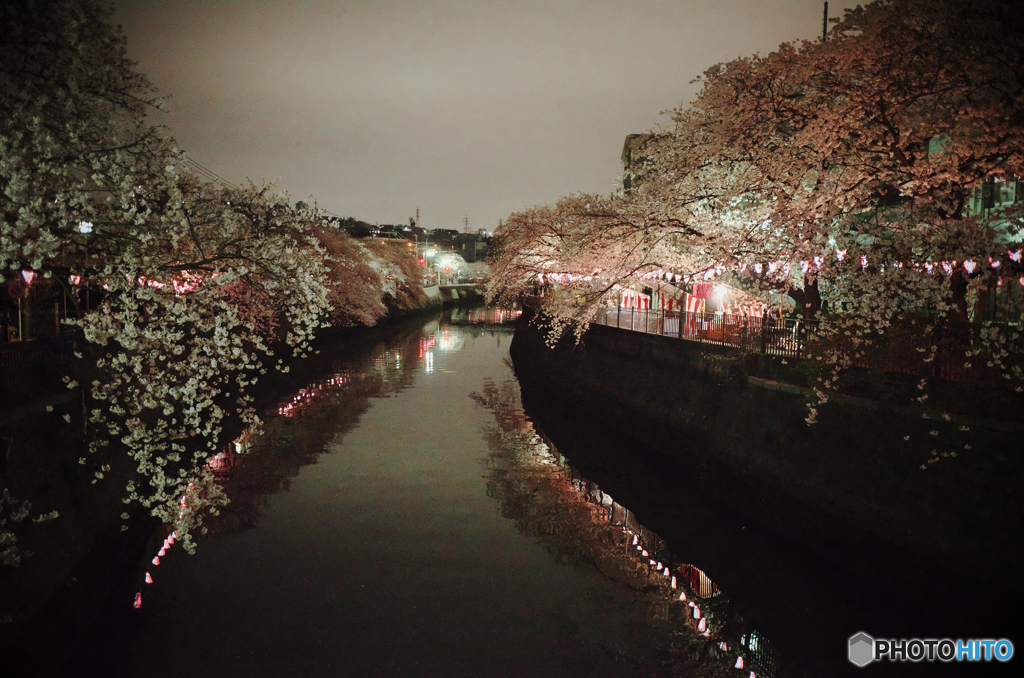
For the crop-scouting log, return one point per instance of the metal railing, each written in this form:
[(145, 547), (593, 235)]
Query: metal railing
[(30, 364), (771, 336), (898, 351)]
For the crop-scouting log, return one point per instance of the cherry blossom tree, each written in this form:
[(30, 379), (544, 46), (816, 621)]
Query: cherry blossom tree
[(194, 287), (846, 171)]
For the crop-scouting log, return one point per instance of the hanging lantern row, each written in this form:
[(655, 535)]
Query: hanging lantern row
[(815, 263)]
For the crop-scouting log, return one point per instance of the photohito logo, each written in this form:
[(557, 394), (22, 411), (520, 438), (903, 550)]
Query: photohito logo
[(863, 649)]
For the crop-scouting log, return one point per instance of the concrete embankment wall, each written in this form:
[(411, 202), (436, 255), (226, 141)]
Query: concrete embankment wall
[(852, 472)]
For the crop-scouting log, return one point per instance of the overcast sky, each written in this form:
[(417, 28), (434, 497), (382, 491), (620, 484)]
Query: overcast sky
[(460, 107)]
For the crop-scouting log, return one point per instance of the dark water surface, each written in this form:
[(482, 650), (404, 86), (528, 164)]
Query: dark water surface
[(399, 517), (402, 514)]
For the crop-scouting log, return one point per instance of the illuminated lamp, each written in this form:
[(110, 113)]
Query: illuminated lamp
[(138, 600), (703, 625), (163, 551), (673, 581), (149, 579), (739, 662), (28, 276), (696, 612), (85, 227), (156, 560), (682, 595)]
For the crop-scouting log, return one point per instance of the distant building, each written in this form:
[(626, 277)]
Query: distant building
[(472, 246), (636, 163)]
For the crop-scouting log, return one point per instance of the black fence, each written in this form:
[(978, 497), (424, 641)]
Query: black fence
[(900, 350), (28, 368), (770, 335)]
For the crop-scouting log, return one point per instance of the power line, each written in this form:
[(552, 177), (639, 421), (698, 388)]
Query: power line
[(213, 177), (209, 174)]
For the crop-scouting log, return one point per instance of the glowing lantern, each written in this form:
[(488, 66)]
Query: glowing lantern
[(138, 600), (149, 579), (739, 662)]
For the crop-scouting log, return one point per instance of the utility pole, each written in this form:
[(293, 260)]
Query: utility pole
[(417, 216), (824, 24), (465, 225)]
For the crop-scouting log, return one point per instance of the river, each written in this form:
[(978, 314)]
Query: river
[(403, 514), (400, 516)]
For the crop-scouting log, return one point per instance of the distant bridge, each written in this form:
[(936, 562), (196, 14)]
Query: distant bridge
[(456, 291)]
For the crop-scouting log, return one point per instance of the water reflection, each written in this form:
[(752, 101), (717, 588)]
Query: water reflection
[(386, 557), (690, 623), (297, 429)]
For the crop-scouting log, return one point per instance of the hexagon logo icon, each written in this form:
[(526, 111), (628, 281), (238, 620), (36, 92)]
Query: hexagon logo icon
[(861, 649)]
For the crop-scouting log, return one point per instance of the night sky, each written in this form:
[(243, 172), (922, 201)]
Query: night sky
[(460, 108)]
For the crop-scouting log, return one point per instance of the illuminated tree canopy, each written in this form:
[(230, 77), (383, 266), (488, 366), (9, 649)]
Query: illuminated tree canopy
[(192, 285), (874, 170)]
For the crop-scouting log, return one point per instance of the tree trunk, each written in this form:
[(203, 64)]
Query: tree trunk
[(808, 299), (958, 285)]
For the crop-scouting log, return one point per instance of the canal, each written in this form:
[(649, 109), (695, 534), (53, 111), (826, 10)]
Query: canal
[(403, 514), (399, 516)]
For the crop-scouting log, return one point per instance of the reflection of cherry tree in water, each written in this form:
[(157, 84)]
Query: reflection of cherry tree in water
[(578, 524), (259, 465)]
